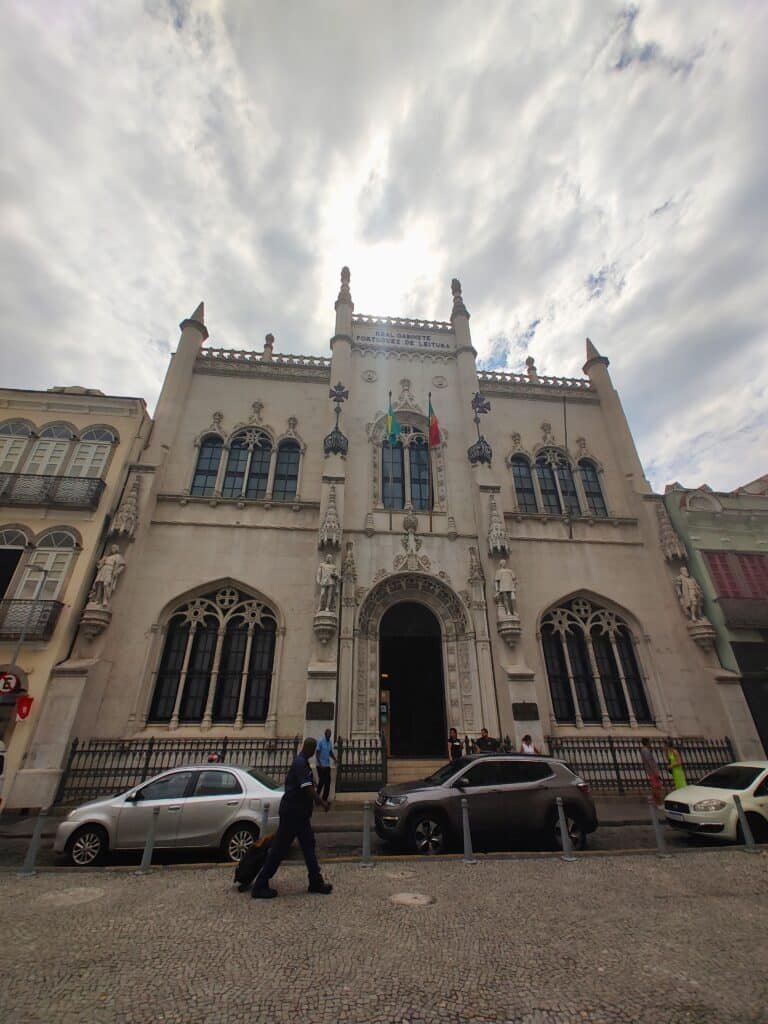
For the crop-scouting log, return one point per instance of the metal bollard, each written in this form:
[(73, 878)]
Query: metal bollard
[(565, 839), (746, 831), (28, 868), (469, 856), (146, 857), (264, 820), (367, 861), (661, 845)]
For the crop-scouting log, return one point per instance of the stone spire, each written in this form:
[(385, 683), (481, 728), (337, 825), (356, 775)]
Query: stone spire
[(345, 296), (269, 342), (196, 320), (593, 357), (459, 309), (330, 531)]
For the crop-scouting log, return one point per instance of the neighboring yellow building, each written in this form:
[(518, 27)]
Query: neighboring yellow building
[(64, 459)]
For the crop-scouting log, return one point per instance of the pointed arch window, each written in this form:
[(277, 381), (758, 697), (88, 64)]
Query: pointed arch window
[(556, 483), (217, 662), (14, 438), (522, 478), (418, 465), (247, 473), (593, 492), (286, 471), (393, 474), (207, 468), (592, 667), (406, 469)]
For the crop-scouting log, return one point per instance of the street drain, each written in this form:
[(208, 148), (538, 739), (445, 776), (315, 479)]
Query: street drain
[(412, 899), (70, 897)]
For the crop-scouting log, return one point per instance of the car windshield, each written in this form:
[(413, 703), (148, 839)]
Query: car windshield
[(263, 779), (733, 776), (444, 773)]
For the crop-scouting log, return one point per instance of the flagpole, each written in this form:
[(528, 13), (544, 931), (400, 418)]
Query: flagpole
[(429, 459)]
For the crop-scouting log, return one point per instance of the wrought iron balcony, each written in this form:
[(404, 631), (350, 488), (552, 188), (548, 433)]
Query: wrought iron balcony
[(35, 619), (53, 491)]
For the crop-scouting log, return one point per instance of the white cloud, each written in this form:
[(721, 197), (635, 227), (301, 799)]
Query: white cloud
[(592, 169)]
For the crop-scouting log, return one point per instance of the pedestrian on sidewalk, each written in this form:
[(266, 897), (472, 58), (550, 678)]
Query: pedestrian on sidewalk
[(484, 742), (295, 823), (526, 745), (652, 771), (675, 765), (323, 757), (455, 746)]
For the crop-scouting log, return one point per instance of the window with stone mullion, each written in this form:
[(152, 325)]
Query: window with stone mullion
[(286, 472), (557, 673), (418, 457), (613, 693), (207, 469), (258, 471), (237, 464), (169, 673), (592, 490), (550, 496), (230, 672), (393, 475), (632, 677), (257, 691), (199, 672), (523, 482), (568, 490), (583, 680)]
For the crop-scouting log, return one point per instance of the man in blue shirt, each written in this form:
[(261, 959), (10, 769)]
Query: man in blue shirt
[(323, 757), (296, 807)]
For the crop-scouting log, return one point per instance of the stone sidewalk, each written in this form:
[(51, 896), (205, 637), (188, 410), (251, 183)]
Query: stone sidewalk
[(529, 941)]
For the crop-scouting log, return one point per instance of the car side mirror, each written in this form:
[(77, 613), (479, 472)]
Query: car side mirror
[(461, 783), (133, 798)]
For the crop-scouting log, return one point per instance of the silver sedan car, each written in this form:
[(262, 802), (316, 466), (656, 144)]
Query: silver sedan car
[(201, 805)]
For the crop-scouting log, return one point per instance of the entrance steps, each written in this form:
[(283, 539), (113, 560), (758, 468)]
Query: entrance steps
[(405, 769)]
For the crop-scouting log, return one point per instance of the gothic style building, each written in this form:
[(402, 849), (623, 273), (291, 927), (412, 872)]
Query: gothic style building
[(312, 548)]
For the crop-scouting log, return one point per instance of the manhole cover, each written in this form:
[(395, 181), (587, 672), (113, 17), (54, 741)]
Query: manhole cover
[(400, 874), (69, 897), (412, 899)]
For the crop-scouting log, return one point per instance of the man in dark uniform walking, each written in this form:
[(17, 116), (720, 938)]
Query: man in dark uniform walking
[(295, 813)]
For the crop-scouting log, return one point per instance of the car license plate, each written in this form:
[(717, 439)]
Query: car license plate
[(674, 815)]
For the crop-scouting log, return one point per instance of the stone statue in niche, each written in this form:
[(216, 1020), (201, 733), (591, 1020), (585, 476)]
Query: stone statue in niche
[(690, 595), (327, 579), (505, 586), (127, 515), (108, 572)]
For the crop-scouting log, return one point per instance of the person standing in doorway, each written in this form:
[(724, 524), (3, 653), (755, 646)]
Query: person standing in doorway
[(675, 765), (455, 746), (652, 771), (323, 757), (295, 813)]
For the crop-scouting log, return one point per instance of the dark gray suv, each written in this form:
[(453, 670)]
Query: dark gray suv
[(508, 794)]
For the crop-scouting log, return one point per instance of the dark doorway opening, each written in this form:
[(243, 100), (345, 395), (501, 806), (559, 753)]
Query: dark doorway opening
[(412, 692)]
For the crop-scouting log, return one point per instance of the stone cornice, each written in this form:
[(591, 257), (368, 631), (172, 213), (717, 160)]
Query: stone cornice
[(57, 402), (362, 320), (249, 363)]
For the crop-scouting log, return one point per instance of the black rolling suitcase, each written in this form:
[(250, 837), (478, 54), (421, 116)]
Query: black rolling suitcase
[(251, 863)]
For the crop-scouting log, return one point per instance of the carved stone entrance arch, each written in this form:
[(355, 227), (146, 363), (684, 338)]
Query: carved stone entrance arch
[(460, 668)]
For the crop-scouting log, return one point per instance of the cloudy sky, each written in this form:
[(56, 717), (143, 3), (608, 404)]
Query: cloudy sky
[(593, 168)]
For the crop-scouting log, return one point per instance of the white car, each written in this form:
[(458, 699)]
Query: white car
[(708, 809), (203, 805)]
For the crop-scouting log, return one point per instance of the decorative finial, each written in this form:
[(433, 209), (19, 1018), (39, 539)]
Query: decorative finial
[(459, 309), (480, 451), (269, 341), (336, 443), (533, 375), (345, 296)]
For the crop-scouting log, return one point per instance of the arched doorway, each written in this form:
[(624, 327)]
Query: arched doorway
[(411, 681)]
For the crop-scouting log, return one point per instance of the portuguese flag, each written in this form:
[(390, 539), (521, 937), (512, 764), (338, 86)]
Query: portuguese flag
[(393, 424), (434, 427)]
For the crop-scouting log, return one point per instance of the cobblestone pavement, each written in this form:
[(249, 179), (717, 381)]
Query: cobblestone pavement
[(526, 941)]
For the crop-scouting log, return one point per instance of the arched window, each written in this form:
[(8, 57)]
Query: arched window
[(53, 553), (522, 478), (50, 450), (207, 468), (592, 490), (92, 453), (247, 472), (217, 661), (12, 545), (556, 483), (393, 474), (286, 471), (592, 667), (14, 438)]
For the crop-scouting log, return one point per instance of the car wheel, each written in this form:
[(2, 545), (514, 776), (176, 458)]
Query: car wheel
[(576, 830), (238, 840), (87, 846), (428, 833)]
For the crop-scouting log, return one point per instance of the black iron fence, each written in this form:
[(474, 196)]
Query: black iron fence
[(613, 764), (361, 765), (53, 491), (34, 620), (98, 768)]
